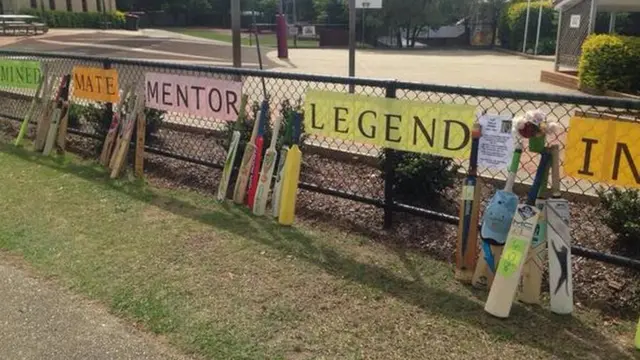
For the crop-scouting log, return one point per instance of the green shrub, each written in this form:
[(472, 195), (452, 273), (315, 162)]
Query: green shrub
[(512, 22), (610, 62), (621, 213), (420, 179), (66, 19)]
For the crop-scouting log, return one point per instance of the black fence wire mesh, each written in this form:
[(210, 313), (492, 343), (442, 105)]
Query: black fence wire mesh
[(340, 168)]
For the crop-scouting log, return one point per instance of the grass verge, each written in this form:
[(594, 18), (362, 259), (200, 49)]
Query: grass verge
[(221, 283)]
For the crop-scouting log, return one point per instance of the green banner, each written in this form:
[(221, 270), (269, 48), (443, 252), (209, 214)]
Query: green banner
[(19, 74)]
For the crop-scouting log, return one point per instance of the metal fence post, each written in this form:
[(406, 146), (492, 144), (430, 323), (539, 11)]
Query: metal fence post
[(389, 169)]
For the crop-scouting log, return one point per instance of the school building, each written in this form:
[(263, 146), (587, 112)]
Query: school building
[(14, 6)]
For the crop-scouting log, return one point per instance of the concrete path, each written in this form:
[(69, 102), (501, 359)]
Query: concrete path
[(40, 321)]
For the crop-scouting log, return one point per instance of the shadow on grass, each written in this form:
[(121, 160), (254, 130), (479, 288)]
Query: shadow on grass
[(537, 328)]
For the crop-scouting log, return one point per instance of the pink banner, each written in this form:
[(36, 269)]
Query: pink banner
[(199, 96)]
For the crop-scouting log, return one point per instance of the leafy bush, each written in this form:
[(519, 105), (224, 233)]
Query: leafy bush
[(512, 24), (610, 62), (420, 179), (66, 19), (621, 213)]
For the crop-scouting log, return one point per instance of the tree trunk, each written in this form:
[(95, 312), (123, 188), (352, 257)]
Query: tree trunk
[(399, 38)]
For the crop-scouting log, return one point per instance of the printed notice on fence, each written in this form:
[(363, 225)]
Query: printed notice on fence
[(496, 143), (603, 150), (96, 84), (198, 96), (20, 74), (416, 126)]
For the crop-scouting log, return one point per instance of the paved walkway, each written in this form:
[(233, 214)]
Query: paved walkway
[(40, 321)]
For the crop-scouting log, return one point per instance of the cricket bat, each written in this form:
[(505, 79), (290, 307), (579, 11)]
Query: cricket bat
[(531, 280), (58, 113), (559, 244), (42, 128), (38, 98), (125, 142), (496, 223), (231, 154), (240, 189), (266, 175), (255, 171), (291, 177), (141, 129), (61, 140), (112, 133), (507, 277), (277, 188), (467, 245)]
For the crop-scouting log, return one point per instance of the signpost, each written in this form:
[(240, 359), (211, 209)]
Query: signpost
[(353, 5)]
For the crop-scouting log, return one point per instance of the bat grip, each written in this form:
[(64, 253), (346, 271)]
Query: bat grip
[(535, 187), (297, 124)]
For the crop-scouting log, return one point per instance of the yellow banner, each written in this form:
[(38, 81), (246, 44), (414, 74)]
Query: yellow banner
[(606, 151), (437, 129), (96, 84)]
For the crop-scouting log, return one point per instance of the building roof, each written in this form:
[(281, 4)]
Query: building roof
[(603, 5)]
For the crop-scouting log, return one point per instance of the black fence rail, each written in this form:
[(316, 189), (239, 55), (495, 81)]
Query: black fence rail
[(344, 169)]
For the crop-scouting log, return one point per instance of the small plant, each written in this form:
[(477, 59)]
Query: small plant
[(420, 179), (621, 213)]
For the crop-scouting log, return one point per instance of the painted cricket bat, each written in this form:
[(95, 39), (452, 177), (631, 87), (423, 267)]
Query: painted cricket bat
[(496, 223), (125, 142), (38, 98), (507, 278), (559, 243), (240, 189), (266, 175), (277, 188), (42, 128), (467, 245), (58, 114), (531, 280), (125, 117), (291, 177), (255, 171), (231, 154), (112, 133), (61, 140)]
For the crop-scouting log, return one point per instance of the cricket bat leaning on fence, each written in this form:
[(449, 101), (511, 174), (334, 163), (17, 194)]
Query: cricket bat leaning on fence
[(507, 278), (266, 174), (467, 245), (42, 128), (59, 112), (255, 168), (533, 269), (277, 188), (559, 243), (125, 142), (291, 177), (231, 153), (38, 98), (240, 189), (496, 223), (112, 133)]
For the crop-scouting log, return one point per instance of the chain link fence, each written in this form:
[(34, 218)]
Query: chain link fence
[(188, 147)]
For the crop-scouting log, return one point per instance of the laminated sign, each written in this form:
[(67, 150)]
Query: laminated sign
[(20, 74), (96, 84), (437, 129)]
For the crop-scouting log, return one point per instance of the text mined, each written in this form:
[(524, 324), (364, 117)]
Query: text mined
[(606, 151), (437, 129), (96, 84), (20, 74)]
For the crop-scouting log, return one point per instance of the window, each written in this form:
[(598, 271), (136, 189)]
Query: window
[(98, 6), (34, 4), (52, 4), (69, 5), (84, 6)]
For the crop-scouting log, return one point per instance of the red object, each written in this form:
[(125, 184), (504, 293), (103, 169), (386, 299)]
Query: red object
[(530, 130), (281, 33), (253, 187)]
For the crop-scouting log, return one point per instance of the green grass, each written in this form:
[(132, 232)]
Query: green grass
[(268, 40), (218, 282)]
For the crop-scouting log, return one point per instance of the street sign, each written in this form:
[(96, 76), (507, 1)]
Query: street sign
[(368, 4)]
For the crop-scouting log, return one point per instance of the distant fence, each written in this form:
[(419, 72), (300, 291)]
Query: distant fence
[(197, 140)]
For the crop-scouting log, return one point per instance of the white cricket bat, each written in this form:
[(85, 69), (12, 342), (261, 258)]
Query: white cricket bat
[(266, 173), (559, 243), (58, 113), (231, 154), (240, 189), (507, 277)]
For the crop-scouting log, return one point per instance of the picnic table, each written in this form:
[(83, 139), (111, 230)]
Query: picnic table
[(18, 24)]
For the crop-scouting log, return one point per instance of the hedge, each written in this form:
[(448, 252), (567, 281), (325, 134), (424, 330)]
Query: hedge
[(610, 62), (66, 19), (512, 23)]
